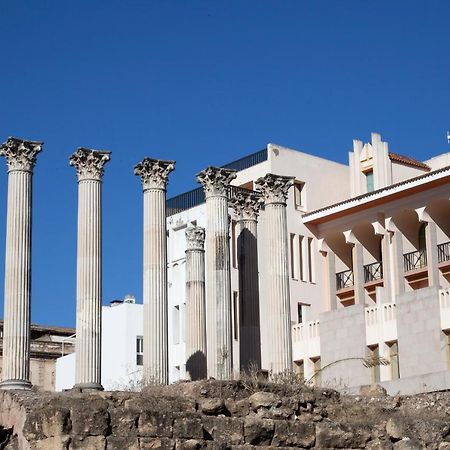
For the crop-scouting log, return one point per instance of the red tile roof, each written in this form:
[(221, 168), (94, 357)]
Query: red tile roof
[(408, 161)]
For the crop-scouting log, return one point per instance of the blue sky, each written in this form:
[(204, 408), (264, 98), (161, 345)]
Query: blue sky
[(201, 82)]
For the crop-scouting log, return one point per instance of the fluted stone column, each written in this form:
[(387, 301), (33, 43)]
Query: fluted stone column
[(246, 206), (195, 304), (20, 157), (154, 176), (89, 165), (274, 189), (216, 183)]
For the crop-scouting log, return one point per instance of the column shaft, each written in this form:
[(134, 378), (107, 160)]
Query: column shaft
[(156, 352), (279, 307), (432, 254), (250, 336), (218, 286), (196, 348), (358, 272), (16, 331), (89, 286), (330, 272)]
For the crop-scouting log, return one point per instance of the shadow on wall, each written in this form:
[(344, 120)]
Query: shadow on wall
[(196, 366)]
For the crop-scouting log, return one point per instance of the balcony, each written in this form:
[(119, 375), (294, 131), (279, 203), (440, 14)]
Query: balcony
[(344, 280), (373, 272), (415, 260), (444, 252)]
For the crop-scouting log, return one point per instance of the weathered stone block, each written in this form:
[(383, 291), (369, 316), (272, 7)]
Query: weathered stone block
[(258, 431), (188, 427), (159, 443), (122, 443), (294, 434), (88, 443), (155, 424), (264, 400), (124, 422), (90, 417), (191, 444), (52, 443), (332, 435), (224, 430), (213, 407)]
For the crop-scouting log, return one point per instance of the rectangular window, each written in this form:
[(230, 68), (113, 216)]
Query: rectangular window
[(176, 324), (394, 360), (234, 244), (139, 351), (299, 195), (235, 315), (374, 353), (300, 258), (292, 250), (311, 268), (299, 312), (369, 181), (446, 334)]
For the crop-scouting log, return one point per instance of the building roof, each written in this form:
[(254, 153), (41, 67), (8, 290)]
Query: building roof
[(46, 329), (321, 214), (408, 161)]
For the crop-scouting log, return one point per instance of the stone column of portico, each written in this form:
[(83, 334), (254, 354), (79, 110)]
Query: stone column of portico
[(246, 206), (89, 165), (431, 246), (195, 304), (216, 182), (154, 175), (20, 157), (274, 189)]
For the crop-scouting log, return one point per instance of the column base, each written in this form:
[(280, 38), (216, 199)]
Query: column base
[(88, 387), (10, 385)]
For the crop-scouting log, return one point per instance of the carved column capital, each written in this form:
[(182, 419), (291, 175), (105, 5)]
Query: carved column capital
[(246, 204), (20, 154), (216, 180), (154, 173), (89, 163), (195, 238), (274, 188)]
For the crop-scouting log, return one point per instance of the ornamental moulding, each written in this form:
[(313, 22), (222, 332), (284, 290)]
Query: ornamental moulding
[(154, 173), (89, 163), (246, 204), (20, 154), (195, 238), (274, 188), (216, 180)]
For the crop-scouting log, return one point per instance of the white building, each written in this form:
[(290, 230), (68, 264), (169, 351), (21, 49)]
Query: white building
[(122, 348), (369, 260)]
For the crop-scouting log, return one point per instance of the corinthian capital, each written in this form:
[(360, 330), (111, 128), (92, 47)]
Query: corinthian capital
[(246, 204), (216, 180), (154, 173), (89, 163), (274, 188), (195, 238), (20, 154)]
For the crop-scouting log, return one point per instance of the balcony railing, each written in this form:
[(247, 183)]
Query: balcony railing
[(373, 272), (444, 252), (248, 161), (415, 260), (185, 201), (344, 279)]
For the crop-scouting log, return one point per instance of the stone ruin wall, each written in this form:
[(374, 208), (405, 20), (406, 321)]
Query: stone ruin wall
[(196, 417)]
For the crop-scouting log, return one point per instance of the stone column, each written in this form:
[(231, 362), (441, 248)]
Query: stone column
[(246, 206), (154, 176), (195, 304), (396, 258), (20, 157), (329, 274), (89, 165), (357, 266), (216, 183), (274, 189)]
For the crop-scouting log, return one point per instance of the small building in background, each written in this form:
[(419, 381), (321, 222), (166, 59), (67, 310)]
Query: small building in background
[(47, 344)]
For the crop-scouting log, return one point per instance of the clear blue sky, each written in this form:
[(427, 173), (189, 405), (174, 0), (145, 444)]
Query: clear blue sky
[(201, 82)]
